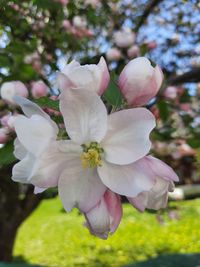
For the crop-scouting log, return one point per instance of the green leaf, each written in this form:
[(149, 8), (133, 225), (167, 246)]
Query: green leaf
[(112, 95), (46, 102), (6, 154), (193, 142), (164, 110)]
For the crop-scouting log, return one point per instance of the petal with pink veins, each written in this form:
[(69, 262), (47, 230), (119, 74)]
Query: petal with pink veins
[(105, 217), (154, 199), (98, 220), (161, 169), (114, 207)]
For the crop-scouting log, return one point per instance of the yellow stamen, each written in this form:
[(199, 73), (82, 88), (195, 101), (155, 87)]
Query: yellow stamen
[(91, 158)]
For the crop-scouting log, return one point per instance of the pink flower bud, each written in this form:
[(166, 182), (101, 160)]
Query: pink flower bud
[(11, 89), (64, 2), (91, 77), (4, 120), (66, 24), (79, 22), (39, 89), (139, 81), (185, 107), (113, 54), (37, 66), (105, 217), (151, 45), (89, 33), (133, 51), (3, 135), (124, 38), (171, 92)]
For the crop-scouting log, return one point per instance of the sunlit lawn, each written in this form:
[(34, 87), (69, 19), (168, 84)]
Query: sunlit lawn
[(51, 237)]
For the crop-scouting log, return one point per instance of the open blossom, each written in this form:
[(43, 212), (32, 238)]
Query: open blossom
[(139, 81), (124, 38), (102, 153), (93, 77), (105, 156), (10, 89)]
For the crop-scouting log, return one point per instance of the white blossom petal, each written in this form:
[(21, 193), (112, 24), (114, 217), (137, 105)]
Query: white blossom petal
[(44, 171), (19, 150), (34, 133), (29, 108), (161, 169), (78, 187), (128, 180), (85, 115), (127, 138)]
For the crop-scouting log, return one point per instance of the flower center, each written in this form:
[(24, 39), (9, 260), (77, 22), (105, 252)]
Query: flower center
[(91, 156)]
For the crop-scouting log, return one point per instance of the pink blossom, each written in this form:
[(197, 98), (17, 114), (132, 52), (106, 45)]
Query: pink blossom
[(133, 51), (171, 92), (151, 45), (64, 2), (79, 22), (4, 120), (105, 155), (66, 24), (92, 77), (39, 89), (28, 59), (37, 66), (3, 135), (156, 198), (113, 54), (10, 89), (139, 81), (185, 107), (105, 217), (124, 38)]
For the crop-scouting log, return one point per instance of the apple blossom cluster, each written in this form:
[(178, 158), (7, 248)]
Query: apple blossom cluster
[(104, 156), (125, 45), (78, 27)]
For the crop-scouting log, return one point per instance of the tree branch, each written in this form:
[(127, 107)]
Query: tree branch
[(190, 76), (147, 11)]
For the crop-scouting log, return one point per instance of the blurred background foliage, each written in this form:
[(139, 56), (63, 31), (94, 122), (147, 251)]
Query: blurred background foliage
[(38, 37)]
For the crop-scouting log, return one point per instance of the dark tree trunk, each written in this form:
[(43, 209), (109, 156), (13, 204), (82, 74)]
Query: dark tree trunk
[(16, 204), (7, 237)]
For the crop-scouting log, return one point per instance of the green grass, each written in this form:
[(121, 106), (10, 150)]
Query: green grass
[(52, 238)]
